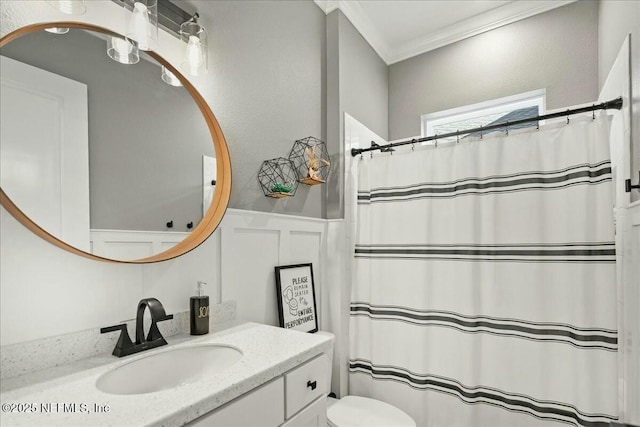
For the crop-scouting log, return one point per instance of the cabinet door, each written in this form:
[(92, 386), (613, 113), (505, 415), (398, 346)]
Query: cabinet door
[(263, 407), (314, 415), (306, 383)]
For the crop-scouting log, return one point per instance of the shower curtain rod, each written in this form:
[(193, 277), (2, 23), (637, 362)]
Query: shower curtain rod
[(613, 104)]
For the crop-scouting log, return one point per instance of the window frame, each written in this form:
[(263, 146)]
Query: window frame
[(503, 105)]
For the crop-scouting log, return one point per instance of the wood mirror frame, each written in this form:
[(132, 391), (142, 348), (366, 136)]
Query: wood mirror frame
[(220, 200)]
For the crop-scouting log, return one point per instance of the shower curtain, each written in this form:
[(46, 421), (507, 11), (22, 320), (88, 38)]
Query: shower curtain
[(484, 288)]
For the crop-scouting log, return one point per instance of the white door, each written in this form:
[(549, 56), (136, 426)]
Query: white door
[(208, 182), (628, 227), (618, 83), (44, 149)]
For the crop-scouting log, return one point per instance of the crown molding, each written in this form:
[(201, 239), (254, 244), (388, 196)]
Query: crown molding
[(327, 6), (353, 10), (488, 21)]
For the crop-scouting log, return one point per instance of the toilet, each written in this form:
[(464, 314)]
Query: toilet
[(356, 411)]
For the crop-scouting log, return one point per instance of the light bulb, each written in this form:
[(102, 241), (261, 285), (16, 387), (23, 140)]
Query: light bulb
[(70, 7), (195, 58), (170, 78), (194, 55), (122, 51), (122, 47), (141, 24), (57, 30)]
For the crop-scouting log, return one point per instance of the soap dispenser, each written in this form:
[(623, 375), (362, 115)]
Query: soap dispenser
[(199, 312)]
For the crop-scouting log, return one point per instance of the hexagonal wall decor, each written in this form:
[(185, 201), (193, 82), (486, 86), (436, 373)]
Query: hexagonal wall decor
[(278, 178), (311, 160)]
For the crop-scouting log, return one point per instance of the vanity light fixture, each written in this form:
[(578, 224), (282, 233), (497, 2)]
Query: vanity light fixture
[(57, 30), (122, 51), (142, 26), (142, 33), (195, 58), (70, 7), (169, 78)]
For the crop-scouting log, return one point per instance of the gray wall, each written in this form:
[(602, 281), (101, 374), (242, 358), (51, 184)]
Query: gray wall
[(281, 70), (357, 84), (266, 69), (556, 50), (616, 20), (364, 79), (146, 138)]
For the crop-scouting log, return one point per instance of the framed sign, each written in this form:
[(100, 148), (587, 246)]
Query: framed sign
[(296, 297)]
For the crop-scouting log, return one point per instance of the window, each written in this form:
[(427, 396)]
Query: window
[(511, 108)]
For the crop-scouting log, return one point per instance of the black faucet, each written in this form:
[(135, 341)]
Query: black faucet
[(154, 338)]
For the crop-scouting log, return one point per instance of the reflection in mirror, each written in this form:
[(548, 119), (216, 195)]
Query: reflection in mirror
[(99, 154)]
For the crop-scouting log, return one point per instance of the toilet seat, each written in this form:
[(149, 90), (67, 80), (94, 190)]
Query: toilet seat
[(356, 411)]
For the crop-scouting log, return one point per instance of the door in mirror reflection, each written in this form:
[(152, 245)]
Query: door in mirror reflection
[(46, 166)]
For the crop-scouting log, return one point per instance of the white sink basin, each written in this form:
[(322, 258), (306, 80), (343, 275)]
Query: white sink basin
[(169, 369)]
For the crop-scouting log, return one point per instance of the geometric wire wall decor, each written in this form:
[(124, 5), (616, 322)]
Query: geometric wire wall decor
[(311, 160), (278, 178)]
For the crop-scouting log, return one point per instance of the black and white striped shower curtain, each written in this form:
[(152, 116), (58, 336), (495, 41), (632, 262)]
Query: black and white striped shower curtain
[(484, 286)]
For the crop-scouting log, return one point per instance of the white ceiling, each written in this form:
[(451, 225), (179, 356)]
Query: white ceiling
[(400, 29)]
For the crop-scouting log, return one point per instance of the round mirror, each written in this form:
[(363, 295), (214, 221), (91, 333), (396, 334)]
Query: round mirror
[(107, 152)]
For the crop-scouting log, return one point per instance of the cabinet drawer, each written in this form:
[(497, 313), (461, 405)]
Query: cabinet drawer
[(262, 407), (306, 383), (314, 415)]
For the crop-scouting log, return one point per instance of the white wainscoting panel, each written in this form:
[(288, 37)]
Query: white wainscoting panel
[(253, 253), (306, 247), (47, 292), (129, 244), (174, 281), (253, 244)]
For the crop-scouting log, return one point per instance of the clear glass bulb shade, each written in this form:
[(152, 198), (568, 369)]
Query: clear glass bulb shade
[(142, 27), (195, 61), (70, 7), (122, 51), (57, 30), (169, 78)]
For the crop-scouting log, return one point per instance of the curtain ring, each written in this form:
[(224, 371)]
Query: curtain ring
[(567, 117), (436, 144), (480, 132), (507, 129), (458, 136), (593, 117), (413, 144), (537, 125)]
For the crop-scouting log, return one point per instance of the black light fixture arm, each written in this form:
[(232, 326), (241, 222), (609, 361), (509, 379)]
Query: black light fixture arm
[(170, 15), (194, 18), (614, 104)]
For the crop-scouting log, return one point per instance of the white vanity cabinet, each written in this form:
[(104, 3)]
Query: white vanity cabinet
[(295, 399), (314, 415), (281, 380)]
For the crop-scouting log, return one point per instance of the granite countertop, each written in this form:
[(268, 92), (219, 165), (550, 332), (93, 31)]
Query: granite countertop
[(72, 399)]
